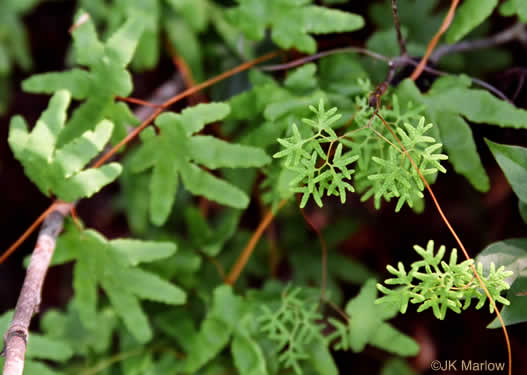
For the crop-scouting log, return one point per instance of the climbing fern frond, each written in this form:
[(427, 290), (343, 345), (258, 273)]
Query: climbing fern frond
[(318, 171), (320, 158), (252, 17), (433, 283)]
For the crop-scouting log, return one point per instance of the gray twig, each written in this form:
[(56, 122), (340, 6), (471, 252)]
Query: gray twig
[(516, 32), (28, 303), (393, 64)]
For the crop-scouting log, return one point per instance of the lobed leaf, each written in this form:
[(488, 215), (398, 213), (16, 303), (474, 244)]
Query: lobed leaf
[(107, 76), (248, 356), (59, 171), (215, 330), (252, 17), (174, 153), (105, 263), (449, 102)]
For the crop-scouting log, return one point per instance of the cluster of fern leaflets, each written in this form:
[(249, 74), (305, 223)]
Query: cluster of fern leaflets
[(383, 167), (177, 150), (433, 283), (293, 327), (59, 170), (303, 158)]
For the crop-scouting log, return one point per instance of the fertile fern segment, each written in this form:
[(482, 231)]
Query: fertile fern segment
[(320, 159), (434, 283)]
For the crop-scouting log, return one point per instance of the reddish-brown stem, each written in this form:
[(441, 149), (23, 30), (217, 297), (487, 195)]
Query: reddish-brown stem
[(246, 253), (137, 101), (184, 94), (28, 231), (134, 133), (456, 237), (444, 27), (186, 73), (274, 256)]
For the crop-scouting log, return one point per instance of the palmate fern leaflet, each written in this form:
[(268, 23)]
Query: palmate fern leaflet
[(320, 159)]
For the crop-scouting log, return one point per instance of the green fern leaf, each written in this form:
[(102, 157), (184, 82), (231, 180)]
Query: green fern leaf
[(513, 162), (207, 239), (59, 171), (110, 264), (175, 151), (67, 326), (469, 15), (216, 329), (442, 286), (107, 76), (448, 103), (252, 17), (182, 20), (247, 355), (315, 169), (293, 328), (367, 326), (511, 7)]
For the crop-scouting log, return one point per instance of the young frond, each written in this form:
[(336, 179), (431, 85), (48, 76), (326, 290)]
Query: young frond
[(321, 159), (60, 170), (318, 171), (433, 283)]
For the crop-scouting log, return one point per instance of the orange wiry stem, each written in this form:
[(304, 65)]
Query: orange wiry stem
[(253, 241), (444, 27), (137, 101), (456, 237), (134, 134), (29, 230), (184, 94)]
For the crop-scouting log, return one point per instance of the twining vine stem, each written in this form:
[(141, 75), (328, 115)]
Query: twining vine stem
[(244, 256), (394, 63), (517, 31), (444, 27), (456, 237)]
